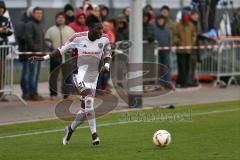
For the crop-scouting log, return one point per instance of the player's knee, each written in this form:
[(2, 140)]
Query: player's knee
[(86, 91), (89, 102)]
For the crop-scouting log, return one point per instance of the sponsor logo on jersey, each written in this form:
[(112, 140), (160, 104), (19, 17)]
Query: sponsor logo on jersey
[(91, 52)]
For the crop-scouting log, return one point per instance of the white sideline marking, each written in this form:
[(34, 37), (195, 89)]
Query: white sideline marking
[(111, 124)]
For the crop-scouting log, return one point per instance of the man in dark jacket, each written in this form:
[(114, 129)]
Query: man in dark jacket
[(69, 14), (163, 36), (35, 43), (5, 31)]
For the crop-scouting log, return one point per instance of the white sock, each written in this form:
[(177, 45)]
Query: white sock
[(91, 121), (79, 119), (90, 114)]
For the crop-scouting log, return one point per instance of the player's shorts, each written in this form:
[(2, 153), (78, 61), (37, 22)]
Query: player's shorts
[(85, 80)]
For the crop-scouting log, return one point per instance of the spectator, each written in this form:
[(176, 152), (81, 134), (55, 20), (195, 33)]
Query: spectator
[(125, 14), (5, 31), (86, 4), (69, 14), (208, 14), (165, 10), (90, 8), (122, 32), (56, 36), (184, 10), (109, 29), (163, 37), (5, 25), (96, 11), (236, 23), (104, 12), (148, 29), (195, 57), (148, 9), (185, 35), (20, 31), (35, 43), (79, 24), (88, 11)]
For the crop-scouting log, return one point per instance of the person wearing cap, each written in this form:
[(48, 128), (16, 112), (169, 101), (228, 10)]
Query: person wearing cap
[(5, 31), (185, 35), (56, 36), (69, 14)]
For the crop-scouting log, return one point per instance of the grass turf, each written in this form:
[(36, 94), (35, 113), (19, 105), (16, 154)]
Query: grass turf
[(210, 131)]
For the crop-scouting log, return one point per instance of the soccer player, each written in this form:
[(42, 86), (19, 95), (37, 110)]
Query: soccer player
[(90, 47)]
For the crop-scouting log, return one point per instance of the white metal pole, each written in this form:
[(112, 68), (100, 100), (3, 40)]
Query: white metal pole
[(136, 53)]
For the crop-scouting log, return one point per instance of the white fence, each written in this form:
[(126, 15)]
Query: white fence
[(218, 60), (6, 72)]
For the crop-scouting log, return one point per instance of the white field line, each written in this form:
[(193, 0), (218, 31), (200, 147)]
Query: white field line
[(111, 124)]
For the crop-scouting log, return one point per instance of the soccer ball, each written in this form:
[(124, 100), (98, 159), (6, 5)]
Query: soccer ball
[(162, 138)]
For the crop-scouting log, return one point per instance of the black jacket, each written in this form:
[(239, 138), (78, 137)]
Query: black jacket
[(20, 33), (5, 23), (34, 36)]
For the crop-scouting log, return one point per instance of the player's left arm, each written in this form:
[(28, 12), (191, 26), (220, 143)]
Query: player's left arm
[(107, 57), (57, 52)]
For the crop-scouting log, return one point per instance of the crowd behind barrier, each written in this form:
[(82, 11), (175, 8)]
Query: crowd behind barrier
[(182, 47)]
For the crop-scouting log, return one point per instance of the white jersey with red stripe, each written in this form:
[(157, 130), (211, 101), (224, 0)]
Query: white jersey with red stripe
[(89, 54)]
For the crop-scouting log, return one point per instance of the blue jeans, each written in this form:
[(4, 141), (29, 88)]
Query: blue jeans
[(164, 59), (29, 77)]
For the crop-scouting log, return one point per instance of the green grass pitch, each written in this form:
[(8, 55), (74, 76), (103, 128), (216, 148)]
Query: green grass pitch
[(199, 132)]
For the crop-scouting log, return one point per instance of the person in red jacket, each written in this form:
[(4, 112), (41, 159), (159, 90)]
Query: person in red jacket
[(79, 24)]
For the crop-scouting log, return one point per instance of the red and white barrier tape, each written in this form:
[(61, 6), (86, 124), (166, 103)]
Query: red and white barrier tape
[(32, 53), (226, 46)]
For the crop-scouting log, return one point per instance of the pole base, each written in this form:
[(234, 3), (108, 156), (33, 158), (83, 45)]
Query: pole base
[(135, 101)]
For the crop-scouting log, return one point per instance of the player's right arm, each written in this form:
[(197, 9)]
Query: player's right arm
[(57, 52)]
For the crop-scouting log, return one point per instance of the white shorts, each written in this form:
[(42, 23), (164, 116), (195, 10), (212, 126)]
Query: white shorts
[(82, 82)]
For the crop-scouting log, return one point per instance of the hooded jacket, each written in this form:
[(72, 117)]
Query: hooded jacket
[(162, 34), (76, 26)]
